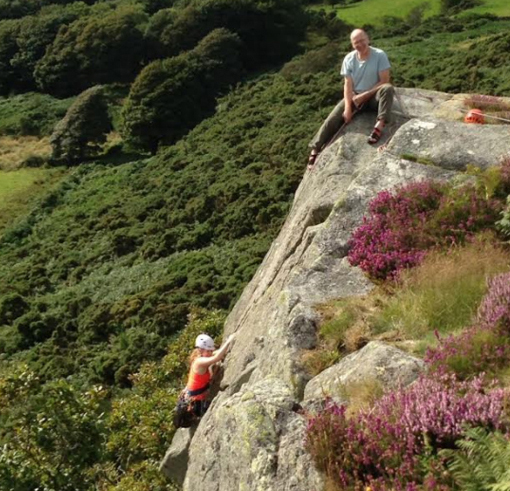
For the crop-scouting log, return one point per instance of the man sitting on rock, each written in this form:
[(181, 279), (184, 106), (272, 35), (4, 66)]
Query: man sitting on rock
[(366, 72)]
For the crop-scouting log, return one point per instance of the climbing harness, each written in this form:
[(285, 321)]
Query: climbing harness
[(188, 410)]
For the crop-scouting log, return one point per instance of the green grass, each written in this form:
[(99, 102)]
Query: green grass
[(374, 11), (31, 113), (443, 293), (19, 189), (496, 7)]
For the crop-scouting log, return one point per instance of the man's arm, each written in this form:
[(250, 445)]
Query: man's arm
[(348, 99), (384, 78)]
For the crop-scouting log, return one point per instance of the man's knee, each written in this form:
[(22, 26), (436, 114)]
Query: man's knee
[(386, 89)]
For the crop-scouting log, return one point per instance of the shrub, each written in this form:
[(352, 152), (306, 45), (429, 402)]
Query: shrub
[(51, 434), (483, 347), (169, 97), (494, 311), (153, 6), (31, 114), (481, 461), (34, 35), (503, 225), (384, 447), (402, 225), (450, 6), (11, 307), (83, 128), (91, 51), (318, 60), (269, 30)]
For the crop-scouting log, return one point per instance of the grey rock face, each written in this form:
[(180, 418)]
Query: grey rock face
[(251, 438), (377, 361), (243, 441), (450, 145), (175, 462)]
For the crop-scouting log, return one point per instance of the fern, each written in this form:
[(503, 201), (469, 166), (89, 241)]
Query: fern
[(481, 462)]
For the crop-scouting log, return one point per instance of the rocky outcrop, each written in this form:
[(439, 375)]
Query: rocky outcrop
[(252, 436), (377, 361), (175, 462), (254, 440)]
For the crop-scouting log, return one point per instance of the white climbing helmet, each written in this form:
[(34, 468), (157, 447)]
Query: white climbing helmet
[(204, 341)]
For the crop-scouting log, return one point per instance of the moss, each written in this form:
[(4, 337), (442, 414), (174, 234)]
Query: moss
[(418, 159)]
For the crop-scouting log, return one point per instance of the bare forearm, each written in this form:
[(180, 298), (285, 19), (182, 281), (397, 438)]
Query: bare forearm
[(369, 93), (384, 78), (220, 354), (348, 94)]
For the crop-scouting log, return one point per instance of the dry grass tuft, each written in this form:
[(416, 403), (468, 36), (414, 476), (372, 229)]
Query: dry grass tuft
[(317, 360), (15, 150), (487, 102), (356, 336), (442, 293), (361, 395)]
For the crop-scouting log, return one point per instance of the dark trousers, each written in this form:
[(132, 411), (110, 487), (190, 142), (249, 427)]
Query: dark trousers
[(200, 407), (381, 102)]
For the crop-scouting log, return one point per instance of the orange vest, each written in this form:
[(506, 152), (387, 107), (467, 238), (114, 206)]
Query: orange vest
[(197, 382)]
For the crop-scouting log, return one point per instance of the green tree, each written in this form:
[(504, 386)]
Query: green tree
[(269, 30), (8, 48), (12, 306), (448, 6), (35, 34), (83, 128), (14, 9), (153, 6), (94, 50), (171, 96), (50, 434)]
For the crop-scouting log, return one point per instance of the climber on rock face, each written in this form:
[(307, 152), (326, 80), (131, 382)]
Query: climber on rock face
[(366, 72), (194, 399)]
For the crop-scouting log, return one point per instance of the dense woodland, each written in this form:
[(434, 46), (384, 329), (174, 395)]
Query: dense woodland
[(144, 241)]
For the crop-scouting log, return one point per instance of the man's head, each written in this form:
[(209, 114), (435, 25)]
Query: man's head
[(360, 41)]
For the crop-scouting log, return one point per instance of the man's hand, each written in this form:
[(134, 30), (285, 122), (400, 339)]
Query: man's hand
[(360, 99), (347, 115)]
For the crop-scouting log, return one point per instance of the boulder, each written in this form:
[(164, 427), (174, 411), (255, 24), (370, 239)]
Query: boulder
[(376, 361), (451, 145), (175, 462)]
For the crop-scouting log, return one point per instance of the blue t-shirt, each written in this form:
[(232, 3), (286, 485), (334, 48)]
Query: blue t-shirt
[(365, 74)]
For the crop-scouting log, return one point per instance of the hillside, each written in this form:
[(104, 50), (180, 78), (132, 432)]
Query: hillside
[(408, 206), (373, 12), (127, 255)]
